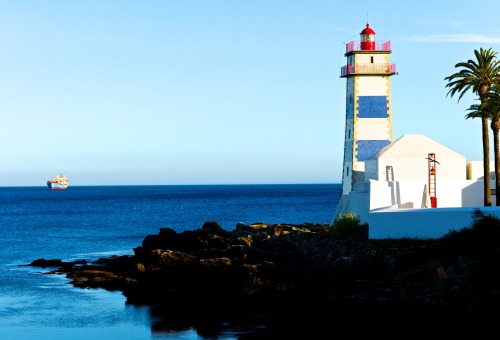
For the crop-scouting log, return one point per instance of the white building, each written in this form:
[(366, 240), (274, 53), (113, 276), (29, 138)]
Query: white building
[(410, 187)]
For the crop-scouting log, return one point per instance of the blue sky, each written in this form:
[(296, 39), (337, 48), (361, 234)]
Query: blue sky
[(217, 92)]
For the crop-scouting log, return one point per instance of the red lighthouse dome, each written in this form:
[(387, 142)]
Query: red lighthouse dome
[(367, 38)]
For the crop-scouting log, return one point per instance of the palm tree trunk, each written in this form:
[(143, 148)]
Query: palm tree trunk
[(495, 126), (486, 161)]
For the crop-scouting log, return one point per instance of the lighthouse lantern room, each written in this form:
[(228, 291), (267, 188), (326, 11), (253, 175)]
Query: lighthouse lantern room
[(367, 39)]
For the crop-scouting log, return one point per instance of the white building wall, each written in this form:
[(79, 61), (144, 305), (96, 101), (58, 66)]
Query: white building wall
[(373, 86), (475, 170), (421, 223), (411, 194), (418, 169), (372, 128), (381, 194), (473, 193), (414, 194), (448, 193), (359, 202), (378, 58), (371, 169), (348, 166), (455, 207)]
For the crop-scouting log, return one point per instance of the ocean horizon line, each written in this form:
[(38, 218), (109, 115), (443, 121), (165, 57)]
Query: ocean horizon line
[(170, 185)]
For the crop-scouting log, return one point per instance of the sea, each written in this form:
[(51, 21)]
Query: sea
[(91, 222)]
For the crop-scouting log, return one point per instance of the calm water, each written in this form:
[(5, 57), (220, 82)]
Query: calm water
[(92, 222)]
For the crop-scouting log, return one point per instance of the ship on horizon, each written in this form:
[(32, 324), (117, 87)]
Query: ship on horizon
[(58, 183)]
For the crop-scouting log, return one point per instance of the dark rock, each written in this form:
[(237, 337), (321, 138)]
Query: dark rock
[(294, 268), (46, 263), (56, 263), (211, 225)]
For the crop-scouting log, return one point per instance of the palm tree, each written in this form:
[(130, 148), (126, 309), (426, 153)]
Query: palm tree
[(493, 111), (478, 76), (491, 108)]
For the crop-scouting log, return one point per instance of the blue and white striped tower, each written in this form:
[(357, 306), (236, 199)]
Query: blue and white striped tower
[(368, 124)]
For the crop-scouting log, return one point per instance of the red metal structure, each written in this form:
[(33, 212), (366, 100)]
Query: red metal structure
[(432, 179)]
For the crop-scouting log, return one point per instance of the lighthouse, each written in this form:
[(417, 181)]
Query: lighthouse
[(389, 183), (368, 123)]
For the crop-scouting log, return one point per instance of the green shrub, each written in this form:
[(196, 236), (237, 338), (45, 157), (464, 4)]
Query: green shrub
[(481, 239), (349, 226)]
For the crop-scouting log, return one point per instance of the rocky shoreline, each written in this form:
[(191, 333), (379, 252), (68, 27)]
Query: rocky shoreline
[(285, 275)]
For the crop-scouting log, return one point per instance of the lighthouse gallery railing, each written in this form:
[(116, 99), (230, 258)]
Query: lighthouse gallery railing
[(356, 46), (367, 69)]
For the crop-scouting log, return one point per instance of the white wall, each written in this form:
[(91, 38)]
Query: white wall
[(475, 170), (392, 209), (372, 86), (384, 194), (404, 169), (421, 223), (373, 128)]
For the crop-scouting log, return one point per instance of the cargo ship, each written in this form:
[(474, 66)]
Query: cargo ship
[(58, 183)]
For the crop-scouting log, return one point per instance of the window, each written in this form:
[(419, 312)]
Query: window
[(371, 60)]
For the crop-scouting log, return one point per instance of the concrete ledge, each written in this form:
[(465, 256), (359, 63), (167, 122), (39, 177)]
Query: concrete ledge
[(421, 223)]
